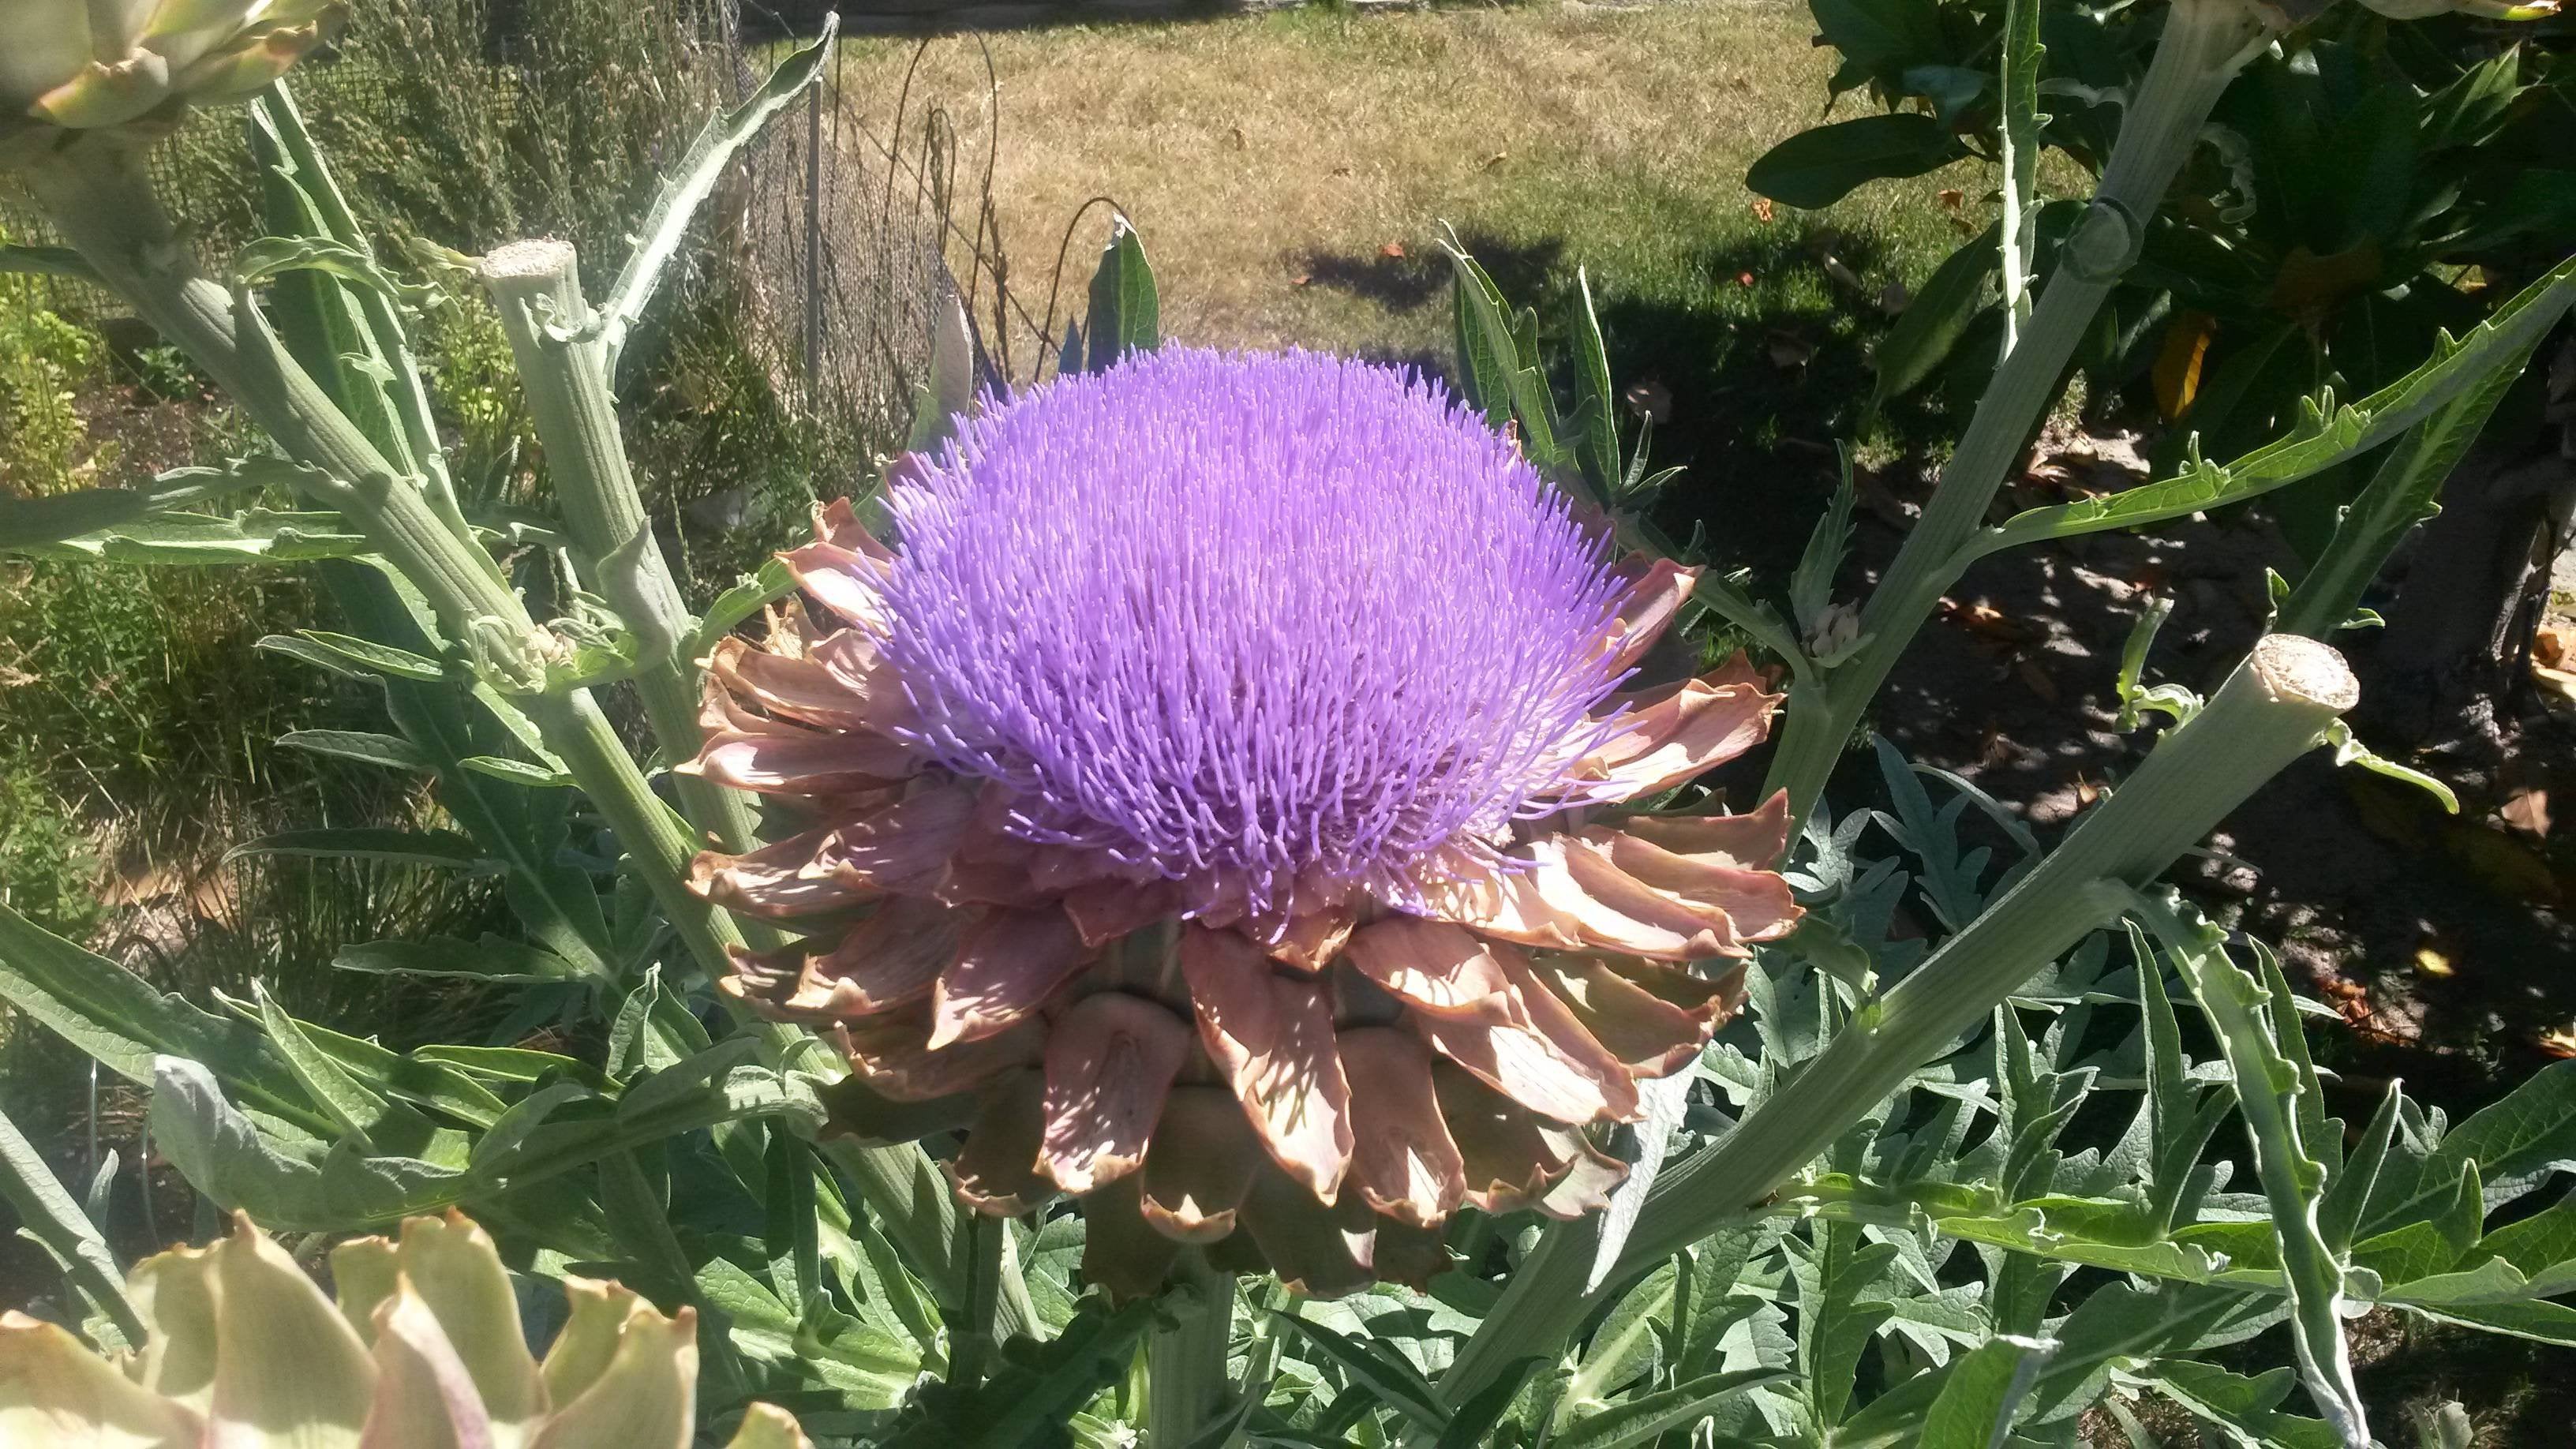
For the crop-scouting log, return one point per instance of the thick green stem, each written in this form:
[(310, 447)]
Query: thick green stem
[(2268, 713), (2205, 43), (102, 200), (1186, 1385), (563, 364), (99, 196), (647, 831)]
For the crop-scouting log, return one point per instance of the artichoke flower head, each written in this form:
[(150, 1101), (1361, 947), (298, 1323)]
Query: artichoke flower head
[(422, 1350), (84, 65), (1241, 762)]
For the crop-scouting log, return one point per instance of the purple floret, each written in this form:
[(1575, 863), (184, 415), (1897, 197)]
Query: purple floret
[(1257, 623)]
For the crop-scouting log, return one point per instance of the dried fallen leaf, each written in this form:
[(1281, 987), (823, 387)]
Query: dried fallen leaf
[(1497, 159), (1762, 209), (2528, 809), (1744, 279), (1301, 279), (2553, 659), (2503, 864), (2432, 960), (1392, 249), (1985, 619), (1951, 198), (2030, 674)]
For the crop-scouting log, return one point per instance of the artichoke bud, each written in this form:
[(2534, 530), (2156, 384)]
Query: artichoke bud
[(422, 1346), (89, 65)]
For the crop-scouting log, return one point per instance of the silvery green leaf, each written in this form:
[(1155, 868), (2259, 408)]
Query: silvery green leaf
[(127, 1025), (2349, 750), (874, 1368), (491, 959), (949, 390), (365, 654), (2018, 144), (694, 179), (391, 751), (2245, 1410), (1666, 1101), (1385, 1374), (1640, 1418), (47, 1214), (374, 1121), (518, 772), (1841, 1304), (258, 535), (1597, 413), (2325, 435), (269, 257), (1627, 1344), (2270, 1089), (221, 1154), (1984, 1392), (2517, 1143)]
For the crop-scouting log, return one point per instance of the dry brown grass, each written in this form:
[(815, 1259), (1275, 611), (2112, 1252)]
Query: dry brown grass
[(1271, 163)]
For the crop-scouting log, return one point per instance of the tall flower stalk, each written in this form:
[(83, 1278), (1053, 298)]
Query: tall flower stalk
[(2204, 45)]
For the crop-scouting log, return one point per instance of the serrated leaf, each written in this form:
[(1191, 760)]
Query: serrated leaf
[(1639, 1419), (2399, 496), (121, 1021), (2269, 1092), (2325, 435), (2244, 1409), (364, 654), (518, 772), (256, 536), (694, 179), (1373, 1366), (1037, 1385), (1983, 1391), (391, 751), (29, 523), (1597, 406), (756, 592), (444, 957)]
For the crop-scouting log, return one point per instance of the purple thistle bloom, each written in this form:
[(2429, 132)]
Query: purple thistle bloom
[(1186, 759), (1255, 624)]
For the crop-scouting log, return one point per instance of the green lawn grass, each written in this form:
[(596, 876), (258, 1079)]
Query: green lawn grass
[(1292, 176)]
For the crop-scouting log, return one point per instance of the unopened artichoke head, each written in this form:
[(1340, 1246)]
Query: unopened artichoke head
[(81, 65), (421, 1350)]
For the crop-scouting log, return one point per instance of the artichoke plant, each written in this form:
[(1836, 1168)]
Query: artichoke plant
[(423, 1350), (79, 65), (1231, 755)]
